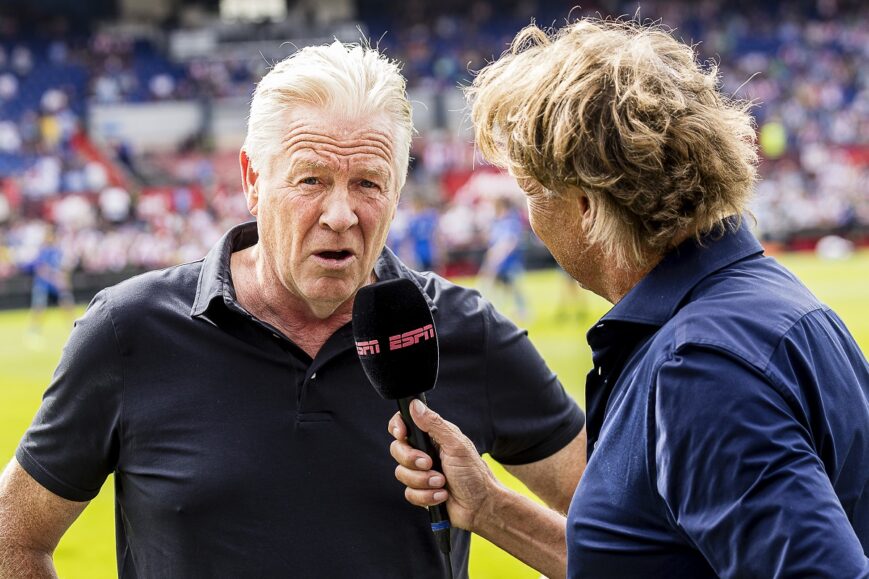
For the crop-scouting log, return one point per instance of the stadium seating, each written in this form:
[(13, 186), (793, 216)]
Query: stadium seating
[(803, 64)]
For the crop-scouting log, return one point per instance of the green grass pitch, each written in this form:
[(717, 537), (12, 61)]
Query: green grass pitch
[(556, 325)]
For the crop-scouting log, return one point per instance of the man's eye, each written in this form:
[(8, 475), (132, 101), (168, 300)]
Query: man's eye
[(310, 181), (366, 184)]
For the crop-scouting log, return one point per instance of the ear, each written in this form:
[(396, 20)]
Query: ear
[(583, 207), (249, 179)]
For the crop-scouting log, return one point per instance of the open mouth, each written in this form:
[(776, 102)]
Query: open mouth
[(340, 255), (338, 259)]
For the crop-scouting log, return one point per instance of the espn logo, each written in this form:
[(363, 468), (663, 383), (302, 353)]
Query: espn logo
[(368, 348), (410, 338)]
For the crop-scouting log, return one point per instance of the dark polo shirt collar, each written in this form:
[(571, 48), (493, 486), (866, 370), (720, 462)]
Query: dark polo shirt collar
[(215, 279)]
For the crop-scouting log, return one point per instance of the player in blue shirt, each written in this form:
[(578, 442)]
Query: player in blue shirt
[(422, 235), (51, 281), (503, 263), (728, 409)]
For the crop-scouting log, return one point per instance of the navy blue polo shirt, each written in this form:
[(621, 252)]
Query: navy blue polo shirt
[(728, 427), (237, 455)]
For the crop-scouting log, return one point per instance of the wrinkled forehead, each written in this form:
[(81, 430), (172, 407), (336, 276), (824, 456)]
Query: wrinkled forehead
[(314, 132)]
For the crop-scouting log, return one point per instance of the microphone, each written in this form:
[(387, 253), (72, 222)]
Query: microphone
[(397, 345)]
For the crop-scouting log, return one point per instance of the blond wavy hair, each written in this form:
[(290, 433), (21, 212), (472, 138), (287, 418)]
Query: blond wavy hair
[(624, 112)]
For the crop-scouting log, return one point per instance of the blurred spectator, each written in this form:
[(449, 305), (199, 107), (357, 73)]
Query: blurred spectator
[(95, 176), (74, 213), (8, 86), (773, 139), (107, 89), (43, 178), (5, 210), (57, 51), (162, 86), (457, 226), (503, 263), (422, 235), (834, 247), (22, 60), (10, 140), (115, 205)]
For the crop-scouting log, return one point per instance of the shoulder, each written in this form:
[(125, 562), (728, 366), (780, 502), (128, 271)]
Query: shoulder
[(151, 290), (452, 302), (459, 311), (743, 311), (755, 329), (463, 317)]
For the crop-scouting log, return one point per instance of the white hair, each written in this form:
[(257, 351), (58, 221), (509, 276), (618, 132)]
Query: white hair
[(349, 79)]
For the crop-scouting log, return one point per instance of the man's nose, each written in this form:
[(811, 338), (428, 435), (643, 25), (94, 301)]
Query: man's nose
[(339, 211)]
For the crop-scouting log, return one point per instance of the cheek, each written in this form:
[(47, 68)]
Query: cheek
[(553, 222), (376, 217), (285, 224), (540, 215)]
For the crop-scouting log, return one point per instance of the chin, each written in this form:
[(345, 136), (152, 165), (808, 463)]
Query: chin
[(337, 292)]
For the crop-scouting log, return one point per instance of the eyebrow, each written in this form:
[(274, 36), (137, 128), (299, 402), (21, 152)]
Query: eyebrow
[(309, 165), (376, 172)]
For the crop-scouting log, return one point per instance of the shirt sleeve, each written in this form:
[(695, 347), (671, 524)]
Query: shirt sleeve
[(72, 444), (532, 416), (739, 475)]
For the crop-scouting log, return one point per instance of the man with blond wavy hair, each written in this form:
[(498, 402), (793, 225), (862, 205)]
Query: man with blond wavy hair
[(728, 409), (226, 395)]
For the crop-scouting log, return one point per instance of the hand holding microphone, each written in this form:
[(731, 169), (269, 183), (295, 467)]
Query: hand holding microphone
[(470, 482)]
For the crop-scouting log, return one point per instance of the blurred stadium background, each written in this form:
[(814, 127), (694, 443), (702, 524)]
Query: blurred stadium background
[(120, 123)]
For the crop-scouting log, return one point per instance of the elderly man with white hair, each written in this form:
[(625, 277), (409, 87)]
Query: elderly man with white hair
[(226, 395)]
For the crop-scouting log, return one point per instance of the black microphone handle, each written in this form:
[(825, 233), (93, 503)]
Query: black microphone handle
[(440, 520)]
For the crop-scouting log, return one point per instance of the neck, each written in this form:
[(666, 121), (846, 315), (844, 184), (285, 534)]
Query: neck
[(260, 293), (614, 283)]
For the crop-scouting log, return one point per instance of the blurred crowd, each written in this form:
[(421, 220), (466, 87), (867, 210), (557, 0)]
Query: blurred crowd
[(803, 64)]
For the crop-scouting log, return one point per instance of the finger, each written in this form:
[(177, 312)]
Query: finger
[(405, 455), (425, 498), (419, 480), (396, 427), (444, 433)]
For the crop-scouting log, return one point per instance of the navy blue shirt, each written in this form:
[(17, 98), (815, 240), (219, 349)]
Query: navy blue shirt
[(237, 455), (728, 427)]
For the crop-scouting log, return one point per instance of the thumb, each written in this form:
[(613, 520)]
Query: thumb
[(445, 434)]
